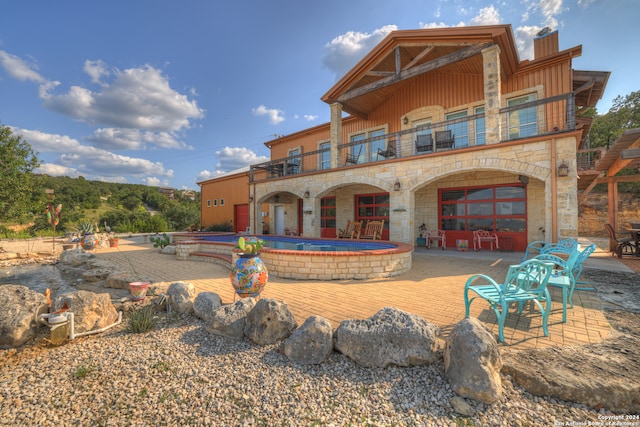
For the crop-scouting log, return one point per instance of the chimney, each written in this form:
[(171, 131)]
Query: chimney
[(545, 43)]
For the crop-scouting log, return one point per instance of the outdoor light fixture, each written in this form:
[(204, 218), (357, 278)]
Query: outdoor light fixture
[(563, 169), (523, 179), (306, 194), (396, 186), (405, 120), (276, 198), (251, 198)]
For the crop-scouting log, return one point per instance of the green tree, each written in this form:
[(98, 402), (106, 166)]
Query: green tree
[(623, 115), (17, 161)]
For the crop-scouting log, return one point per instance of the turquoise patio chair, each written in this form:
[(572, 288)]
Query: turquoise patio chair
[(566, 274), (525, 282), (539, 247)]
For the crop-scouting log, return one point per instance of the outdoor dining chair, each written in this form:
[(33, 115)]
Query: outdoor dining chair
[(525, 282), (437, 235)]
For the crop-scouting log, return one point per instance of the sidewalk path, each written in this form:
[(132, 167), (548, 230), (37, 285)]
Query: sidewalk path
[(433, 289)]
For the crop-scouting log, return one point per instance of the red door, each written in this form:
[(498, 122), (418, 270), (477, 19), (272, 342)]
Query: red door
[(241, 218)]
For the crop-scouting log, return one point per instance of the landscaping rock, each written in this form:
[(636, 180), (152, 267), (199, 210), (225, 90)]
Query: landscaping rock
[(391, 336), (472, 362), (181, 296), (75, 257), (96, 274), (90, 310), (269, 321), (18, 317), (311, 343), (205, 304), (121, 279), (229, 320)]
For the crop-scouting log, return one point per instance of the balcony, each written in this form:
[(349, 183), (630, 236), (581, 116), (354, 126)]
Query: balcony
[(537, 118)]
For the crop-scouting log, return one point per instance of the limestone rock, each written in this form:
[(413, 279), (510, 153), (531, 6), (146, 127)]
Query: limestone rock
[(205, 304), (96, 274), (181, 296), (472, 361), (391, 336), (75, 257), (269, 321), (229, 320), (90, 310), (19, 315), (311, 343), (461, 406), (121, 279)]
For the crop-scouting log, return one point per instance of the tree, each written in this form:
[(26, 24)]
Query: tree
[(623, 115), (17, 161)]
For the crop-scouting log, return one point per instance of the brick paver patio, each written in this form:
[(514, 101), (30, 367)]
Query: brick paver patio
[(433, 289)]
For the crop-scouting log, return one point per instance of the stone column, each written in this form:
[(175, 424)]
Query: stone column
[(336, 133), (492, 82)]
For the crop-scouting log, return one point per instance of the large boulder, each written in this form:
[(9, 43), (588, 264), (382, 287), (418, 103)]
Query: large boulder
[(19, 314), (311, 343), (205, 304), (472, 361), (121, 279), (269, 321), (75, 257), (90, 310), (181, 296), (229, 320), (391, 336)]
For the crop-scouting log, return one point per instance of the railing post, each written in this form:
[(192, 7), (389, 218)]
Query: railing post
[(571, 112)]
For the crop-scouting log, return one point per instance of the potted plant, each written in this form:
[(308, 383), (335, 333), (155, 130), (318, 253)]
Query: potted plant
[(421, 240), (249, 275), (88, 240), (113, 240)]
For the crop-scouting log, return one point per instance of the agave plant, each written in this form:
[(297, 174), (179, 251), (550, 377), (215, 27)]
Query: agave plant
[(85, 228)]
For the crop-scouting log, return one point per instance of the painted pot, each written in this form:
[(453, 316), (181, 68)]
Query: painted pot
[(113, 242), (138, 290), (89, 242), (249, 275), (462, 245)]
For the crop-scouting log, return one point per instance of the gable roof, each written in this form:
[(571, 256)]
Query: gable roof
[(403, 55)]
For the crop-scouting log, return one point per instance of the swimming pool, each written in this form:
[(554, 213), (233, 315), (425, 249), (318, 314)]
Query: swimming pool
[(303, 244), (304, 257)]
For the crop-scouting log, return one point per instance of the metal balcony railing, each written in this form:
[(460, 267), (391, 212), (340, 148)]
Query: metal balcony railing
[(542, 117)]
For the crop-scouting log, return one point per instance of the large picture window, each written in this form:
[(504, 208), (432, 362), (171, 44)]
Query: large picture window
[(524, 121), (496, 209)]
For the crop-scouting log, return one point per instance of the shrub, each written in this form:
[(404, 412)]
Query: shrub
[(160, 241), (142, 319)]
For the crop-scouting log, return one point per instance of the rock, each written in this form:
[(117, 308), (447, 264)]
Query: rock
[(181, 296), (229, 320), (90, 310), (472, 362), (121, 279), (461, 406), (205, 304), (168, 250), (269, 321), (75, 257), (311, 343), (391, 336), (96, 274), (18, 317)]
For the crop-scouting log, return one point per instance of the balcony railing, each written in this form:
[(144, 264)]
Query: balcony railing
[(542, 117)]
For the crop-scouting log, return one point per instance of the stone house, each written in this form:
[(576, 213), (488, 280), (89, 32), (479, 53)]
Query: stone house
[(444, 127)]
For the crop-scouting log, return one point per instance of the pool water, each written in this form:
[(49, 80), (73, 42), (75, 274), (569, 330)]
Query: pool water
[(301, 244)]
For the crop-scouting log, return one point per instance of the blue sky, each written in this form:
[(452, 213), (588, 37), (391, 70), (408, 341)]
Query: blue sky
[(170, 93)]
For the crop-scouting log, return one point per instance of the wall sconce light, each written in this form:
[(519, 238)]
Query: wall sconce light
[(563, 169), (276, 198), (396, 186), (523, 179), (306, 194), (405, 120), (251, 198)]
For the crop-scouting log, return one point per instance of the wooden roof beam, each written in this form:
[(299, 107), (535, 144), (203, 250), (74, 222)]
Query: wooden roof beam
[(451, 58)]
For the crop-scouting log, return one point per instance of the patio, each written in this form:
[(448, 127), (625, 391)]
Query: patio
[(433, 289)]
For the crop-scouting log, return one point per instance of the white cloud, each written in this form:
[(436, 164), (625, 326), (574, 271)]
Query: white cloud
[(19, 69), (88, 161), (275, 115), (136, 98), (133, 139), (96, 70), (232, 158), (487, 16), (524, 40), (345, 50), (57, 170), (310, 118)]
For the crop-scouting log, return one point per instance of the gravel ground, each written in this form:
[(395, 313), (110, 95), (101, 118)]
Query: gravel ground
[(180, 374)]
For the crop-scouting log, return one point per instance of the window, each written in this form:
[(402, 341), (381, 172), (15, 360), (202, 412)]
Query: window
[(424, 141), (358, 150), (328, 217), (215, 202), (460, 130), (373, 207), (221, 202), (480, 127), (368, 151), (523, 122), (208, 203), (325, 155), (293, 165), (378, 144)]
